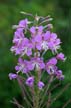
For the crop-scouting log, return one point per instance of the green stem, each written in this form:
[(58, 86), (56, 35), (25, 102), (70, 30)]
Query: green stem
[(37, 99), (48, 86), (36, 91)]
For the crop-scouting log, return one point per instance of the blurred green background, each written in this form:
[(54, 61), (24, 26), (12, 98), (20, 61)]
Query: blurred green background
[(60, 10)]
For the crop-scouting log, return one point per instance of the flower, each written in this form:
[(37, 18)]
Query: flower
[(59, 75), (22, 46), (49, 26), (34, 47), (30, 81), (23, 24), (61, 56), (36, 41), (26, 47), (36, 33), (33, 30), (12, 76), (40, 41), (51, 66), (22, 66), (17, 40), (45, 41), (37, 63), (36, 30), (31, 44), (40, 85), (54, 43), (18, 36)]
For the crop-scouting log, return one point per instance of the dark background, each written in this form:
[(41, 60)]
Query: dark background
[(60, 10)]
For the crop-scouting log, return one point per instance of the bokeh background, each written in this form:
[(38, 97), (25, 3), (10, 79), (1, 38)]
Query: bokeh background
[(60, 10)]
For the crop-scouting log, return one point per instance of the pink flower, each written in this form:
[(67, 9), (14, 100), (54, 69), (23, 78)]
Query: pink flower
[(12, 76), (37, 63), (36, 30), (51, 66), (23, 24), (54, 43), (60, 56), (40, 85), (59, 75), (22, 66), (22, 46), (30, 81), (26, 47)]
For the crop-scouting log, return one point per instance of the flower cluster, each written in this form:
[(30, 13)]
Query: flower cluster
[(40, 40)]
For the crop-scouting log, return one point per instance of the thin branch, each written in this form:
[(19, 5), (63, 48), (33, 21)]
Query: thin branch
[(16, 103), (23, 91), (23, 87), (46, 20), (49, 100), (25, 13), (65, 105), (33, 96), (49, 92), (49, 83), (55, 86), (59, 94)]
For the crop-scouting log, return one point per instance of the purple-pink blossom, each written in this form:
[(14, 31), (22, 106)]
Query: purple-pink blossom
[(36, 30), (30, 81), (59, 74), (23, 24), (12, 76), (26, 47), (51, 66), (54, 43), (37, 63), (18, 36), (61, 56), (22, 46), (33, 47), (40, 85), (45, 41), (22, 66), (33, 43)]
